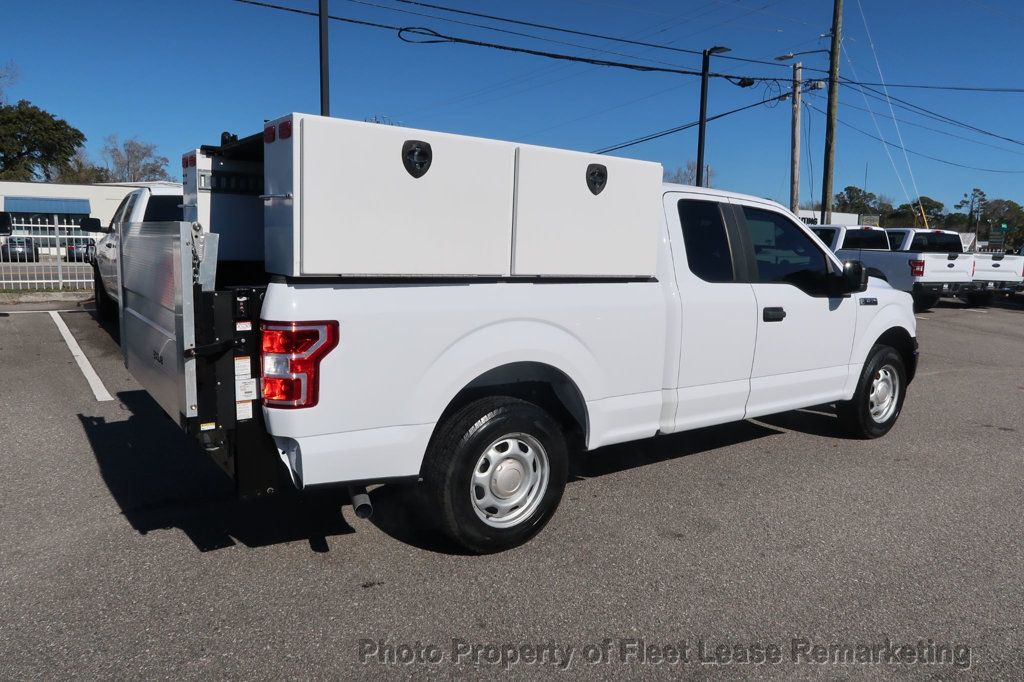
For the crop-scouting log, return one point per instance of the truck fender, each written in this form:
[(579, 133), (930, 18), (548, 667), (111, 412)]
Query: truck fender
[(893, 321), (501, 344)]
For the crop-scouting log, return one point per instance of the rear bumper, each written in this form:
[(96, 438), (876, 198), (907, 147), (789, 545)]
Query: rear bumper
[(370, 455), (943, 288), (996, 286)]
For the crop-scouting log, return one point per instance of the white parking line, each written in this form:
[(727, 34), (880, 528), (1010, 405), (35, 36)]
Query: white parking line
[(98, 389)]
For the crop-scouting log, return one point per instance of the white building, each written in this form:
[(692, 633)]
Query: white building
[(814, 217), (47, 202)]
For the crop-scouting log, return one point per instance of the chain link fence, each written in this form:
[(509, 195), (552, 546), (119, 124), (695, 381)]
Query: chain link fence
[(46, 253)]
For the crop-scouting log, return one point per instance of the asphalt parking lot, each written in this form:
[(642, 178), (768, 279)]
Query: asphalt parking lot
[(122, 555)]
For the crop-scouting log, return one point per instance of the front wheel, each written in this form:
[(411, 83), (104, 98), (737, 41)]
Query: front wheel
[(878, 401), (494, 473)]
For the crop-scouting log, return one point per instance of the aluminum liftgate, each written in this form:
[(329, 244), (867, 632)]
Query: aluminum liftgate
[(196, 349)]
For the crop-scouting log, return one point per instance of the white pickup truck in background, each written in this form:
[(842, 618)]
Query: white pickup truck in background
[(926, 264), (996, 273), (155, 202), (348, 303)]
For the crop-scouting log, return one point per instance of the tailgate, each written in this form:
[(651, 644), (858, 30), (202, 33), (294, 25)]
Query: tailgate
[(158, 288), (945, 267), (998, 267)]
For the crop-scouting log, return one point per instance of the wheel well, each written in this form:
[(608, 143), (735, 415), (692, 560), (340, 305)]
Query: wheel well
[(900, 339), (543, 385)]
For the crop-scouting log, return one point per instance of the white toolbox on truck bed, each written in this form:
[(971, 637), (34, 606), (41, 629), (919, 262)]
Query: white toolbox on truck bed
[(362, 199)]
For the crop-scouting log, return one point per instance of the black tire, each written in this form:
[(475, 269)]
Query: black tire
[(923, 302), (979, 299), (106, 309), (452, 458), (855, 415)]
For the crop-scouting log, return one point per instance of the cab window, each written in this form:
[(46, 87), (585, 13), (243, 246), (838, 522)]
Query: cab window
[(705, 239), (163, 208), (784, 253)]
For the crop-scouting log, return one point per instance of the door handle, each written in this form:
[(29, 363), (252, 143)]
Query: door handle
[(774, 314)]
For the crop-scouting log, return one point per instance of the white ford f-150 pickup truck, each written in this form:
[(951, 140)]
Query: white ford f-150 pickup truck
[(926, 264), (352, 303)]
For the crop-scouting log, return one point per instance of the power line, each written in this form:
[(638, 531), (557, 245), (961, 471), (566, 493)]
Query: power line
[(587, 34), (916, 153), (685, 126), (929, 113), (931, 129), (367, 3), (428, 36)]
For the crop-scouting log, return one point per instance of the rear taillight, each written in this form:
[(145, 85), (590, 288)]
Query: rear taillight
[(269, 134), (284, 131), (916, 268), (290, 355)]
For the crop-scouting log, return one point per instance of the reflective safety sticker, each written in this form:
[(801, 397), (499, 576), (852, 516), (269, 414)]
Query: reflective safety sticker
[(208, 426)]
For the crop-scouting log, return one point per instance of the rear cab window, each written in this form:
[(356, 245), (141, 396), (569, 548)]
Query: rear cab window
[(936, 242), (163, 208), (866, 239), (825, 234)]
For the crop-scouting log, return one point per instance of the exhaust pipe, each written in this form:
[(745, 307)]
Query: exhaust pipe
[(360, 501)]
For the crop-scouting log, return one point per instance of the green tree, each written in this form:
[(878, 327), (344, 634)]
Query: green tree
[(1000, 211), (34, 144), (975, 203), (909, 215), (855, 200)]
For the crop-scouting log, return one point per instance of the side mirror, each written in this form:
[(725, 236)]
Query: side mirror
[(92, 225), (854, 278), (5, 223)]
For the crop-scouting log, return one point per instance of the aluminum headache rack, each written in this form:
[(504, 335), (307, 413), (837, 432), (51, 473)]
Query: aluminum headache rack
[(196, 349), (46, 252)]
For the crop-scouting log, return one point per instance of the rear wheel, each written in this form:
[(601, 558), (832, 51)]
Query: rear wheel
[(878, 401), (494, 473)]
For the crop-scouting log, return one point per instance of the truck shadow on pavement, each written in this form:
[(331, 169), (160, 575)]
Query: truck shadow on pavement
[(161, 481)]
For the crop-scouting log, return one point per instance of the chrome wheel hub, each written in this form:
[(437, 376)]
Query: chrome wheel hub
[(509, 480), (884, 395)]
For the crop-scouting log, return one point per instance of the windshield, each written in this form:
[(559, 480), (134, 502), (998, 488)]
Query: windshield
[(936, 242)]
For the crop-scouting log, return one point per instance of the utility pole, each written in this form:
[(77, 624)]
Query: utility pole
[(325, 79), (794, 138), (833, 106), (705, 67)]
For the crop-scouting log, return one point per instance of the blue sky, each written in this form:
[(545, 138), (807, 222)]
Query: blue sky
[(178, 73)]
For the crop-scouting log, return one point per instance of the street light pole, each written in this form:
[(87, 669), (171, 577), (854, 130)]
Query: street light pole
[(325, 81), (704, 69)]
